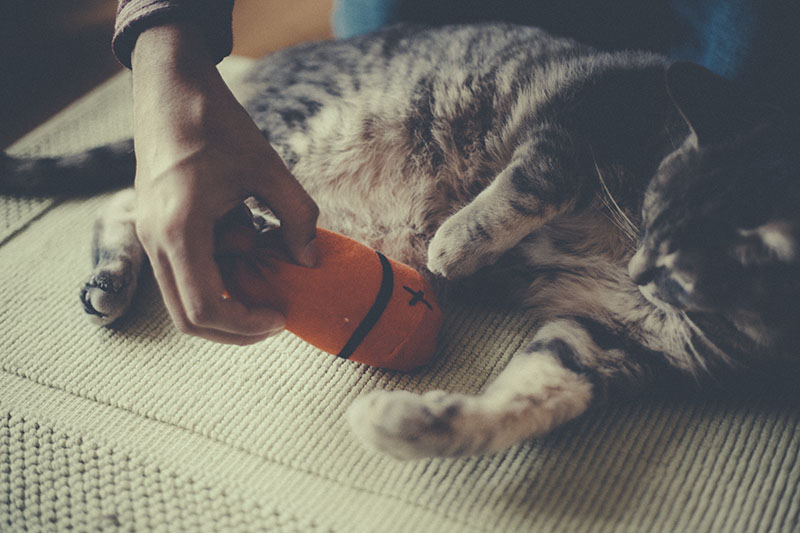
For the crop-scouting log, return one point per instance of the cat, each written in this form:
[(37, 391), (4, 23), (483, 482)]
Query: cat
[(643, 212)]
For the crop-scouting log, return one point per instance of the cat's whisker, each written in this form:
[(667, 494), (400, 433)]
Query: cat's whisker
[(611, 215), (618, 216), (724, 357), (697, 358)]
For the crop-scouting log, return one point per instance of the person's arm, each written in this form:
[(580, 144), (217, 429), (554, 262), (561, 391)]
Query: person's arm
[(199, 155)]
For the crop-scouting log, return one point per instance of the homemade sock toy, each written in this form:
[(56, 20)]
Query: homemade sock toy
[(356, 303)]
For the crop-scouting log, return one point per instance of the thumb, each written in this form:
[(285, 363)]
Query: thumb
[(293, 206)]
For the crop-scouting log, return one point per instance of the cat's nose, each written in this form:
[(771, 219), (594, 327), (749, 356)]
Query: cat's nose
[(641, 268), (645, 277)]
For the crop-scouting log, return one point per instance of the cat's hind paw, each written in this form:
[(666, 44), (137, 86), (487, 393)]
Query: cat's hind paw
[(411, 426)]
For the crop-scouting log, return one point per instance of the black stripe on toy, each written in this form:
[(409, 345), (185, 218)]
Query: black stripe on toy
[(375, 312)]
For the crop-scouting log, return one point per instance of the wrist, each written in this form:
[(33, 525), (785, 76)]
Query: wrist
[(171, 49), (175, 78)]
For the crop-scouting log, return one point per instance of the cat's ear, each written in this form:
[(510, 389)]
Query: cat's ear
[(715, 109)]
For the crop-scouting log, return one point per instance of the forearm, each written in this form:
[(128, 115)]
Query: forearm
[(211, 17)]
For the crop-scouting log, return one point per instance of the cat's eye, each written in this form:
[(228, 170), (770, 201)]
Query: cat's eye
[(769, 242)]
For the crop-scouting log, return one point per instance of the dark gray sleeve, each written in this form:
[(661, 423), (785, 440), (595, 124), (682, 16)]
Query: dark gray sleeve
[(134, 16)]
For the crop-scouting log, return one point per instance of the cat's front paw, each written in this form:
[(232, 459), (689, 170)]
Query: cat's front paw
[(456, 251), (410, 426), (108, 293)]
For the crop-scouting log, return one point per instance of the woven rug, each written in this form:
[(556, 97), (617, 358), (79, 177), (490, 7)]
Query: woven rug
[(141, 428)]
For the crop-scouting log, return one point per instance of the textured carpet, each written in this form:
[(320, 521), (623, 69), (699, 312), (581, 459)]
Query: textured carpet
[(141, 428)]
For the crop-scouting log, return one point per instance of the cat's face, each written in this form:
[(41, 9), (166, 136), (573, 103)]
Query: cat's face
[(721, 219)]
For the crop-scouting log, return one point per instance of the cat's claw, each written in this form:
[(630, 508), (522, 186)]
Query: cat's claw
[(107, 294), (409, 426)]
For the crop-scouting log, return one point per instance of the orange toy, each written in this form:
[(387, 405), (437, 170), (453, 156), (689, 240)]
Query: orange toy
[(356, 303)]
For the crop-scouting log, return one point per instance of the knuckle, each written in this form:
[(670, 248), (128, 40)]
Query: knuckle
[(143, 233), (184, 326), (166, 225), (144, 227), (307, 210), (200, 313), (174, 228), (312, 209)]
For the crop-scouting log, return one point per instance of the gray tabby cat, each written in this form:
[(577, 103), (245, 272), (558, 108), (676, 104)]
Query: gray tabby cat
[(644, 214)]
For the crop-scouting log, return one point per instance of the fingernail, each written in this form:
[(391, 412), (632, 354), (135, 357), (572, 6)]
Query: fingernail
[(309, 257), (277, 326), (276, 331)]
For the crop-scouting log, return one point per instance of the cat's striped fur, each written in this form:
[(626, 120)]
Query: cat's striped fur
[(536, 167)]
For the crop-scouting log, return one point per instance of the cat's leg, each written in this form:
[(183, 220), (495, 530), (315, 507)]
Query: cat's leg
[(117, 259), (550, 381), (539, 183)]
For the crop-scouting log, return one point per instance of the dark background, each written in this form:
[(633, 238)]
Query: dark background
[(51, 52)]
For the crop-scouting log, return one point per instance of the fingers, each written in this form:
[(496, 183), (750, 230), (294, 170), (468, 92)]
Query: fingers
[(192, 290), (199, 155), (293, 206)]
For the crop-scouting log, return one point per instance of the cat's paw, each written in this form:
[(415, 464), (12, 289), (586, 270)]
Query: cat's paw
[(108, 293), (410, 426), (456, 251)]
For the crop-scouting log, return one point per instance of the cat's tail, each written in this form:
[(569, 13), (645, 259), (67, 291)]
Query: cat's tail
[(99, 169)]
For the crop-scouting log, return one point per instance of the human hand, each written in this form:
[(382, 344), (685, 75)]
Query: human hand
[(199, 156)]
